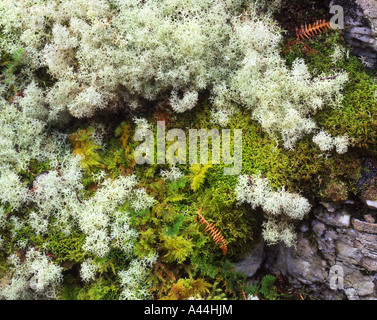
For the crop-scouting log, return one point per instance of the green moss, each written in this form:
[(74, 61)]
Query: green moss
[(266, 289), (4, 268), (85, 147), (10, 71), (335, 191), (66, 250), (177, 248), (358, 115), (100, 290), (34, 169), (70, 288), (171, 226)]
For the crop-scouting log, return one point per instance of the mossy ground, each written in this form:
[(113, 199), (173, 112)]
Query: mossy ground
[(305, 169), (189, 261)]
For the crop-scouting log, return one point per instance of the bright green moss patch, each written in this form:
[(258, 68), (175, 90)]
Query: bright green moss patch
[(66, 250), (100, 290)]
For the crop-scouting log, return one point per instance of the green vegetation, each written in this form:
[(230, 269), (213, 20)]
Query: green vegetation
[(74, 202)]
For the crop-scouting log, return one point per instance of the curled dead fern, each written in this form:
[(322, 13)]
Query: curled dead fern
[(311, 30), (214, 233)]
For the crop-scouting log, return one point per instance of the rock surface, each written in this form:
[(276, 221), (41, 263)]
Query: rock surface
[(361, 27), (336, 240), (251, 263)]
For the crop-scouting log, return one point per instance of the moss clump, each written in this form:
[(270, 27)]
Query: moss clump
[(100, 290), (335, 191), (66, 250), (86, 148), (370, 194)]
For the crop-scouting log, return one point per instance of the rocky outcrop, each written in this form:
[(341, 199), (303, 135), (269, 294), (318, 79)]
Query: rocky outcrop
[(338, 238), (252, 262), (353, 247), (361, 27)]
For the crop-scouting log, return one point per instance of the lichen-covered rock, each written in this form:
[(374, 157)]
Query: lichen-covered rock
[(361, 27), (369, 264)]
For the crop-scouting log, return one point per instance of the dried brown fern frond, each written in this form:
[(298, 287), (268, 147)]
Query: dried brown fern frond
[(214, 233), (242, 292), (311, 30)]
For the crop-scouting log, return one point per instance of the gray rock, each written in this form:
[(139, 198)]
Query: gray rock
[(251, 263), (302, 265), (365, 226), (347, 254), (337, 240), (331, 206), (369, 218), (304, 227), (371, 204), (369, 264), (363, 38), (337, 218), (361, 27), (319, 228), (351, 294), (367, 244), (363, 285), (360, 30)]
